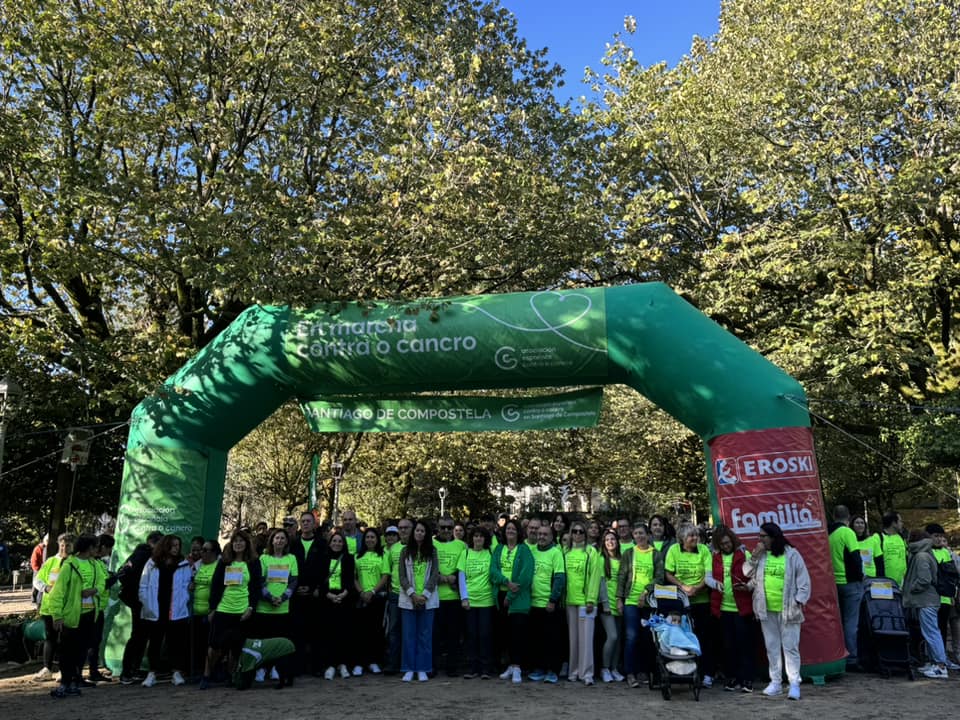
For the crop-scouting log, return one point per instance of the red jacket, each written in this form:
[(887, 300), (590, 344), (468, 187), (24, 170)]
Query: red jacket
[(743, 598)]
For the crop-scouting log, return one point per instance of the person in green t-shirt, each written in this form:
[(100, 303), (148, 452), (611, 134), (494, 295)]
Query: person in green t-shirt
[(419, 599), (848, 574), (200, 597), (478, 597), (894, 547), (546, 616), (234, 593), (610, 616), (43, 583), (280, 571), (582, 595), (871, 552), (373, 578), (255, 655), (781, 590), (449, 617), (641, 568), (731, 605), (336, 635), (686, 566), (941, 553), (395, 539)]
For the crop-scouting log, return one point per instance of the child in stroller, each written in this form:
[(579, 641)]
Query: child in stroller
[(678, 649)]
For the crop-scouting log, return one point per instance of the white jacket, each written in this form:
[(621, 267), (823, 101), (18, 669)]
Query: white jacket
[(149, 592), (796, 585)]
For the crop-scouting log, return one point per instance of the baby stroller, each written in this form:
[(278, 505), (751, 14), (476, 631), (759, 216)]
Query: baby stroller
[(678, 649), (884, 633)]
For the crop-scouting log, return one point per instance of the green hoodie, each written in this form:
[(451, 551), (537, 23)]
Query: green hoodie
[(65, 601), (522, 575)]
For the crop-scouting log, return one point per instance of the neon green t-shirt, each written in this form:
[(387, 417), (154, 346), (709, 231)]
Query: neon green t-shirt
[(335, 575), (583, 575), (612, 582), (201, 588), (393, 555), (943, 555), (419, 574), (448, 556), (276, 572), (236, 580), (690, 568), (774, 572), (843, 538), (87, 575), (48, 574), (894, 557), (351, 545), (507, 558), (642, 574), (370, 568), (624, 546), (546, 563), (869, 552), (728, 603), (475, 566)]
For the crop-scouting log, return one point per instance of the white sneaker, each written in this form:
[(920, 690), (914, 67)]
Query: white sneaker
[(617, 677), (517, 675), (605, 675), (329, 673), (357, 671), (588, 680), (936, 672), (150, 680), (274, 675), (507, 674), (707, 681), (422, 676), (573, 677), (375, 669), (794, 692), (43, 674), (344, 672), (261, 675), (407, 676), (177, 678), (773, 689), (951, 665)]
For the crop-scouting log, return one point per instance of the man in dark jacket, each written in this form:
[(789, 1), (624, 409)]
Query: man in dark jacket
[(309, 548)]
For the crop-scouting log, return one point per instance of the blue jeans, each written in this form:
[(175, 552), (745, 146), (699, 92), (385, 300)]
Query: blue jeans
[(849, 598), (417, 640), (638, 652), (931, 634)]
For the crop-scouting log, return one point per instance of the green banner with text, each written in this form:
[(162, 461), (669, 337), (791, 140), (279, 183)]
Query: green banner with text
[(459, 413)]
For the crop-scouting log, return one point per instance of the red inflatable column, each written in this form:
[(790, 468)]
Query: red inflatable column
[(771, 476)]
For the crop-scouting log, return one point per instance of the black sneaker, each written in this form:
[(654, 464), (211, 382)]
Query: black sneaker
[(747, 687), (127, 680), (58, 692), (73, 691), (731, 686), (87, 684)]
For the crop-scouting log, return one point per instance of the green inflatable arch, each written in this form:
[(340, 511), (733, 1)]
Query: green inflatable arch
[(746, 410)]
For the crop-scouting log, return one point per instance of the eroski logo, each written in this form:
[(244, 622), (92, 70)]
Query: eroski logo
[(786, 515), (777, 464), (726, 472)]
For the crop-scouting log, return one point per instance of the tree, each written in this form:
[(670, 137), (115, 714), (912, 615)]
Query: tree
[(165, 165), (792, 178)]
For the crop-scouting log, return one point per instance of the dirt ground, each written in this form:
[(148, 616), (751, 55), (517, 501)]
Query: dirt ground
[(848, 698)]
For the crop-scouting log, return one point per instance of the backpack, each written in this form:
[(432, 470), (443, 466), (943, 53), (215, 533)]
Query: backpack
[(948, 579)]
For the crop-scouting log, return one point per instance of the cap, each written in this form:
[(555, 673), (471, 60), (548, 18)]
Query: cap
[(290, 520), (391, 529), (935, 529)]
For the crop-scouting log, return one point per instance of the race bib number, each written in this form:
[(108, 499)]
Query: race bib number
[(665, 592), (232, 577), (278, 574), (881, 591)]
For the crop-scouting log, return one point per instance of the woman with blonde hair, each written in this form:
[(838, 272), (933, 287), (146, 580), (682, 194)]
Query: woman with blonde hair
[(582, 592)]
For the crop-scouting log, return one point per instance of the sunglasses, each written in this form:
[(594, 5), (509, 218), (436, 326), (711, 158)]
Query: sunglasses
[(446, 527), (577, 531)]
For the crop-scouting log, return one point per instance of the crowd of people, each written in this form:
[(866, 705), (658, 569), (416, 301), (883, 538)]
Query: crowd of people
[(537, 599)]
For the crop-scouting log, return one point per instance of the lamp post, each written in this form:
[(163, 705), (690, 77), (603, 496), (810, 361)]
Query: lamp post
[(10, 393), (336, 469), (442, 492)]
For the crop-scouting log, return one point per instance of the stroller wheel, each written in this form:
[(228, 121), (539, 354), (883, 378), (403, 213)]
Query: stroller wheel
[(665, 689), (696, 685)]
